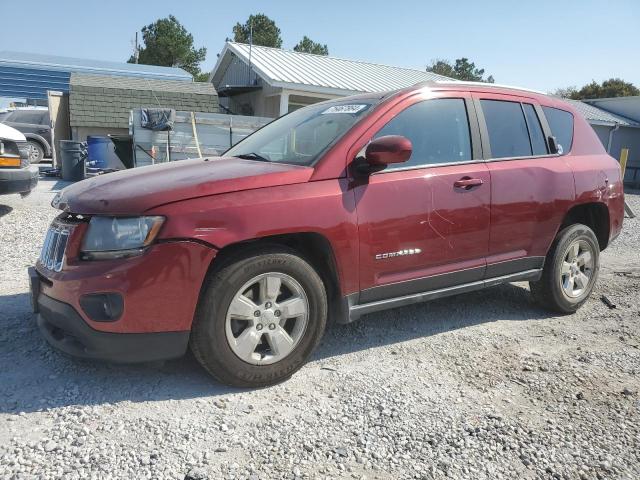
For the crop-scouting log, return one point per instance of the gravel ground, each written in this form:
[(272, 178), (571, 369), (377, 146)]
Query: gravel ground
[(483, 386)]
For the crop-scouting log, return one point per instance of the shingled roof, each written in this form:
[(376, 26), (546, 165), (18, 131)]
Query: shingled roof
[(105, 101)]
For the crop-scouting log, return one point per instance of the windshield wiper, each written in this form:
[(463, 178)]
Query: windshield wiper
[(252, 156)]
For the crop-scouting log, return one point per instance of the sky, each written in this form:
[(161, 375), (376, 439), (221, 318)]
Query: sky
[(543, 45)]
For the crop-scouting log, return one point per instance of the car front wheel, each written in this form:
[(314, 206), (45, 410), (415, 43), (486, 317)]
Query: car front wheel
[(259, 318)]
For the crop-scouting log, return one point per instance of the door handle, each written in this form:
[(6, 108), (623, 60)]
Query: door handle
[(467, 183)]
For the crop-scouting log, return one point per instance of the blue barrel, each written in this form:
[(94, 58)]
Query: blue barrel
[(98, 151)]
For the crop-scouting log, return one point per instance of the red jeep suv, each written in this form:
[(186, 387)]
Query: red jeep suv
[(333, 211)]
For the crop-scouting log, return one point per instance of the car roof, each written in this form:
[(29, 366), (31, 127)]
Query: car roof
[(542, 98), (34, 108), (458, 85), (484, 86)]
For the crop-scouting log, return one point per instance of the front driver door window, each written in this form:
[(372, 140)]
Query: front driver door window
[(438, 130)]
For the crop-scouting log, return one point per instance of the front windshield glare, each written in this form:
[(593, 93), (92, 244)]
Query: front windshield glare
[(300, 137)]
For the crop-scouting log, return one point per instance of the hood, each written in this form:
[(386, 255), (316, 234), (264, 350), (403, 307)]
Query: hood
[(10, 133), (132, 192)]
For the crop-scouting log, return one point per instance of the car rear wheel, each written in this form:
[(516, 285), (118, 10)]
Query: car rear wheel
[(35, 150), (259, 318), (570, 270)]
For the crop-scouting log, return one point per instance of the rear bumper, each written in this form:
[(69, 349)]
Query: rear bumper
[(18, 180), (62, 326)]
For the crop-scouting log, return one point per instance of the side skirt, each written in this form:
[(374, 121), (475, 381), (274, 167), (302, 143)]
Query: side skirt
[(356, 311)]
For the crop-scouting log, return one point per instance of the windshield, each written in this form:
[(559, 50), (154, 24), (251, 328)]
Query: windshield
[(300, 137)]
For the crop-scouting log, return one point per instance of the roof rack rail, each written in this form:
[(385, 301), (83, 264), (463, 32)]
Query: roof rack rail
[(484, 84)]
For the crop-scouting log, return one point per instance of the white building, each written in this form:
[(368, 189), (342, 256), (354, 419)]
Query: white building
[(270, 82)]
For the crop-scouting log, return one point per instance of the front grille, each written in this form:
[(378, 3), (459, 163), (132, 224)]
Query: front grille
[(55, 244)]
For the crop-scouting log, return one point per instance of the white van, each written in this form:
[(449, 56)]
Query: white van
[(16, 173)]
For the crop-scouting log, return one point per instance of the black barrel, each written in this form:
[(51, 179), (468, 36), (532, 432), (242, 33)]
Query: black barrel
[(73, 160)]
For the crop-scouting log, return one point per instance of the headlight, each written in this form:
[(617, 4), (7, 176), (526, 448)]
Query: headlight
[(11, 155), (119, 237)]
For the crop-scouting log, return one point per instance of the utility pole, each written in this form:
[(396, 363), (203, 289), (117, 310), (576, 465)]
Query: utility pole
[(250, 41), (136, 52)]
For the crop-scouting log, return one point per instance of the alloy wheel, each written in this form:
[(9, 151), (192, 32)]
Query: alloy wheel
[(33, 153), (577, 268), (267, 318)]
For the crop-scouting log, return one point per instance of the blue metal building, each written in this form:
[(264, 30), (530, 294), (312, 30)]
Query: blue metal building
[(29, 75)]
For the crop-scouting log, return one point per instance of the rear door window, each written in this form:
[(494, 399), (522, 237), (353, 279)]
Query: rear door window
[(538, 143), (438, 130), (507, 127), (561, 125)]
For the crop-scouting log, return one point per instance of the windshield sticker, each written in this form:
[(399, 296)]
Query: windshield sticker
[(345, 109)]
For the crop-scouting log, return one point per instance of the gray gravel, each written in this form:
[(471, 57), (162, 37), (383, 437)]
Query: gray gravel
[(483, 386)]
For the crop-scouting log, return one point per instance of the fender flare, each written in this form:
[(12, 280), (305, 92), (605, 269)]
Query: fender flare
[(41, 140)]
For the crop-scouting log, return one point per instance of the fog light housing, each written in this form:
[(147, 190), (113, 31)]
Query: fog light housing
[(102, 307)]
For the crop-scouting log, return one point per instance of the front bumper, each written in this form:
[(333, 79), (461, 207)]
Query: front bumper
[(18, 180), (160, 289), (62, 326), (157, 292)]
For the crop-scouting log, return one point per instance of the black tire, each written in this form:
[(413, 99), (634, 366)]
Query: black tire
[(548, 291), (36, 152), (208, 340)]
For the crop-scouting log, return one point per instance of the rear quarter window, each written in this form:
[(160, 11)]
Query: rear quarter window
[(561, 125)]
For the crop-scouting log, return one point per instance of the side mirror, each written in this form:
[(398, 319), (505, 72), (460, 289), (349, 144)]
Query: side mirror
[(384, 151)]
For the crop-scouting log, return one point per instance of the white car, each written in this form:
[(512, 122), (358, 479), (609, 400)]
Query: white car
[(16, 173)]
